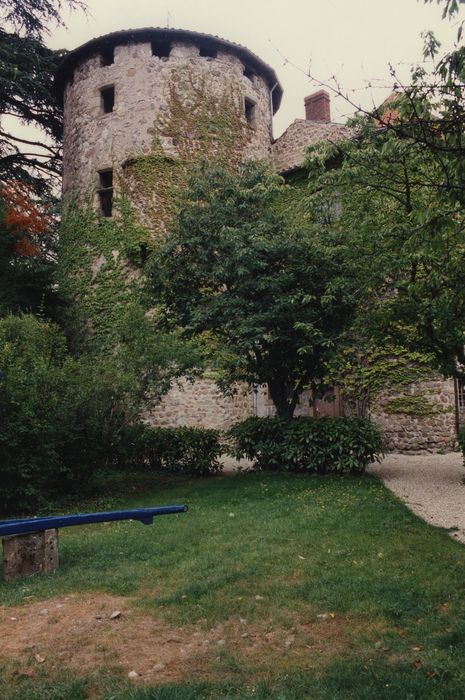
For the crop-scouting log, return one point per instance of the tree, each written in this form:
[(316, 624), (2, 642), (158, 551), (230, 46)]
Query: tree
[(27, 258), (261, 293), (27, 68), (405, 238)]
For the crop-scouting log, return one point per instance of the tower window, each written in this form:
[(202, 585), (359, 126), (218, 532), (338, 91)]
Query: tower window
[(208, 52), (248, 73), (249, 111), (107, 56), (107, 97), (105, 192), (162, 49)]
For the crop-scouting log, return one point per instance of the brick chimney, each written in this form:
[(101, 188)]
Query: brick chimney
[(317, 107)]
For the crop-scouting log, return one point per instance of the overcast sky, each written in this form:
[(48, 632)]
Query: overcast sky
[(353, 40)]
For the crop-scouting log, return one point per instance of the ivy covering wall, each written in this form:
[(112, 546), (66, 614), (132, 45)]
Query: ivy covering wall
[(101, 260)]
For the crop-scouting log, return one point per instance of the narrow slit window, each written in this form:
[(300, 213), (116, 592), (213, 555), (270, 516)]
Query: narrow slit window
[(107, 96), (162, 49), (105, 192), (249, 111), (107, 56), (248, 73), (208, 52)]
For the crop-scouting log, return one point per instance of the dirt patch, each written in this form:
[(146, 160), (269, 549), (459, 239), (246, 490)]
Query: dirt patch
[(77, 632)]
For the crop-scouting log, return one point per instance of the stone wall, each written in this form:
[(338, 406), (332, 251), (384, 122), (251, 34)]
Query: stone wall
[(288, 151), (95, 141), (202, 405), (402, 432), (411, 433)]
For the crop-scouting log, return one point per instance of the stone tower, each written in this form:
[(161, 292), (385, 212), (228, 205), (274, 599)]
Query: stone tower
[(139, 107), (115, 88)]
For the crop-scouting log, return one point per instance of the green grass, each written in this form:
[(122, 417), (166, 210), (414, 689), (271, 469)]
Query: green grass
[(307, 546)]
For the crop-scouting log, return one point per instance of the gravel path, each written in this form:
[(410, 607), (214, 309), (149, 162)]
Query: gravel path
[(430, 485)]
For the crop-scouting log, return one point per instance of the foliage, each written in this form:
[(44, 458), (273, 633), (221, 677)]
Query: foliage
[(100, 277), (99, 271), (400, 184), (59, 415), (413, 405), (322, 446), (27, 261), (200, 122), (362, 371), (404, 243), (185, 450), (27, 68), (33, 16), (262, 294)]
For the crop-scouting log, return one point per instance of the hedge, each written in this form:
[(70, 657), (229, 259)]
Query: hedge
[(319, 445)]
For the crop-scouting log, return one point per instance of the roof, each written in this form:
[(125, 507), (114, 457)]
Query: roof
[(289, 149), (129, 36)]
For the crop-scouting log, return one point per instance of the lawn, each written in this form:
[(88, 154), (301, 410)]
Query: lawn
[(271, 586)]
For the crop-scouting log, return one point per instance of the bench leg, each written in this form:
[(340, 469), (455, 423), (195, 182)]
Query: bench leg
[(24, 555)]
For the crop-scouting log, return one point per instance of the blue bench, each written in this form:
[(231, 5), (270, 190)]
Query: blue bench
[(30, 545)]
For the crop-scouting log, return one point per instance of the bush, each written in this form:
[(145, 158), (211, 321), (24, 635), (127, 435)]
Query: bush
[(319, 445), (183, 450), (60, 417)]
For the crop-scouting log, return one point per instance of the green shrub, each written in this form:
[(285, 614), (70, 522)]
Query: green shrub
[(323, 445), (184, 450), (60, 417)]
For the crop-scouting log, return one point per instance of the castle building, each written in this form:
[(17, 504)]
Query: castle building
[(143, 99)]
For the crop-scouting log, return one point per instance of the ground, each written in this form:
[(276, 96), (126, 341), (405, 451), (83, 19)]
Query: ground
[(273, 586), (431, 485), (78, 632)]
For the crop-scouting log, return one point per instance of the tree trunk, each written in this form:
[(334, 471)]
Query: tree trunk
[(285, 407)]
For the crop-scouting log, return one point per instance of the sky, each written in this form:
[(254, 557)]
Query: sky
[(353, 42)]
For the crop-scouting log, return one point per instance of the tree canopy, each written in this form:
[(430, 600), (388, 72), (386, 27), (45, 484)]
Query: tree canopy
[(264, 295), (27, 68)]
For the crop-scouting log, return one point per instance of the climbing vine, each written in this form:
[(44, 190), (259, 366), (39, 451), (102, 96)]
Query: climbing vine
[(102, 259), (99, 271), (414, 405), (201, 122), (364, 375)]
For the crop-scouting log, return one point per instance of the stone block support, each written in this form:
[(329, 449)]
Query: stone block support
[(24, 555)]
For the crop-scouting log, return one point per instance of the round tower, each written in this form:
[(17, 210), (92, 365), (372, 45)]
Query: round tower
[(116, 91)]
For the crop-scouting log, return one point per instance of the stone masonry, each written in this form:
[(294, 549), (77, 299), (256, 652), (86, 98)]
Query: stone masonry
[(289, 149), (201, 405), (409, 433), (95, 140), (113, 89)]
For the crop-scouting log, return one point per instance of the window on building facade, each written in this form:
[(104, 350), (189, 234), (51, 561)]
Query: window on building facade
[(107, 98), (248, 73), (107, 56), (162, 49), (249, 111), (105, 192)]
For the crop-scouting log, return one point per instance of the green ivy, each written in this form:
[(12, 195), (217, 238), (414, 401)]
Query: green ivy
[(417, 405), (101, 259), (203, 125), (99, 270)]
